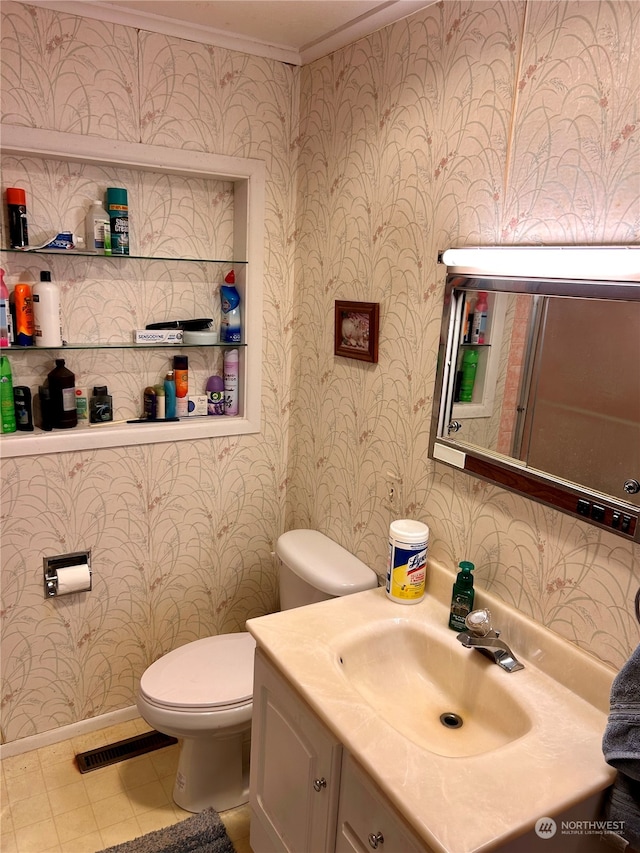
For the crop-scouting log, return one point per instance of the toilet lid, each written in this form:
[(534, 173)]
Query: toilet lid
[(216, 672)]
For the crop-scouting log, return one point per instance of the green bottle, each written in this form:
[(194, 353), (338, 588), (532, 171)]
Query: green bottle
[(7, 405), (469, 367), (462, 597)]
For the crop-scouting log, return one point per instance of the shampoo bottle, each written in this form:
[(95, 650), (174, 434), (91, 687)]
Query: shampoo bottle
[(23, 408), (231, 322), (462, 597), (100, 405), (47, 319), (7, 404), (231, 367)]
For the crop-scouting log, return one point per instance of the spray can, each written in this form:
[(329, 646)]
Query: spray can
[(118, 210), (17, 207), (231, 366), (215, 395), (407, 565), (181, 378), (7, 405)]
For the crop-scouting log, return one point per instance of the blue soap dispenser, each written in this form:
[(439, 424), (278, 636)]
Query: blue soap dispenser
[(462, 597)]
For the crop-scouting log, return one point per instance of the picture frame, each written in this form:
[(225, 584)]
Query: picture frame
[(356, 330)]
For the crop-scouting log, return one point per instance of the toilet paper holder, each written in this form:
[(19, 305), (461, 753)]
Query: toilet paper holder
[(55, 565)]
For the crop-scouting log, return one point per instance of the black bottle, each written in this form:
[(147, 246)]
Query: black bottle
[(62, 388), (24, 413), (101, 406)]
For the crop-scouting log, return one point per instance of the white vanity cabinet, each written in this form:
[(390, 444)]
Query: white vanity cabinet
[(295, 770), (308, 795), (366, 820)]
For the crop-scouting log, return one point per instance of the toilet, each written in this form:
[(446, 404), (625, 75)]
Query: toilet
[(202, 692)]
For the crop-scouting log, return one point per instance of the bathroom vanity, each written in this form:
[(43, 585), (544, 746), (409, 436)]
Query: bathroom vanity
[(349, 754)]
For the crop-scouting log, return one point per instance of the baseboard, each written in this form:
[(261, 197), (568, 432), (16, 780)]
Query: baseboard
[(26, 744)]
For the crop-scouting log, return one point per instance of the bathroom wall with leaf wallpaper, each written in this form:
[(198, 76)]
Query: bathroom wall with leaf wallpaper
[(476, 122)]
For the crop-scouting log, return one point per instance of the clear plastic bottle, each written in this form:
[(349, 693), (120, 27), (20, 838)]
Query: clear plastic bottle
[(98, 229)]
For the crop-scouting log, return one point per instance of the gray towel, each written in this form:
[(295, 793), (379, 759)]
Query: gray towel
[(621, 748)]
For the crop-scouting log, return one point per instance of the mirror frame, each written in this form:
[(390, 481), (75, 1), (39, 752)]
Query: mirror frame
[(495, 269)]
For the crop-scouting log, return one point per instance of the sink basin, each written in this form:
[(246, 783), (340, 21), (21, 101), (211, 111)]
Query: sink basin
[(447, 699)]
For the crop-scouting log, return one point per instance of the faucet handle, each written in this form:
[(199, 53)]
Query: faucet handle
[(479, 622)]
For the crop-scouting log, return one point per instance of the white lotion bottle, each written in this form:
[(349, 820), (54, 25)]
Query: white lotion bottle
[(47, 317), (230, 376), (98, 229)]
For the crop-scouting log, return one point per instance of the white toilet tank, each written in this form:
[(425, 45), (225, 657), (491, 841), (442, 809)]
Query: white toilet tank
[(315, 568)]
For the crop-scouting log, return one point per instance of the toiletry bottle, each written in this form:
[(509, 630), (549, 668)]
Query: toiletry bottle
[(231, 366), (462, 597), (161, 402), (170, 395), (98, 229), (181, 378), (7, 404), (118, 210), (479, 322), (149, 403), (407, 563), (62, 388), (22, 404), (42, 409), (23, 322), (469, 307), (17, 207), (469, 368), (82, 405), (215, 395), (100, 405), (231, 322), (47, 318), (5, 316)]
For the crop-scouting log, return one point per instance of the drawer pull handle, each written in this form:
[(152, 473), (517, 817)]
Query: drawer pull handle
[(319, 784), (375, 840)]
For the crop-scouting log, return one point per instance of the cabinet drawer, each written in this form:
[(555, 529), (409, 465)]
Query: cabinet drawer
[(366, 821)]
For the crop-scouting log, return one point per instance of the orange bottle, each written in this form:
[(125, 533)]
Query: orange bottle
[(23, 324)]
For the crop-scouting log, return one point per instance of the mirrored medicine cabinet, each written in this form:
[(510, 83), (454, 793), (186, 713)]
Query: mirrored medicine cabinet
[(539, 390)]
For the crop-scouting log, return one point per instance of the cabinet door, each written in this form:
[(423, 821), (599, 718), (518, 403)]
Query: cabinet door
[(366, 821), (295, 770)]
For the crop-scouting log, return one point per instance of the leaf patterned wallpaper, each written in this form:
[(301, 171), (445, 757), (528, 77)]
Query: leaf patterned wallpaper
[(491, 122)]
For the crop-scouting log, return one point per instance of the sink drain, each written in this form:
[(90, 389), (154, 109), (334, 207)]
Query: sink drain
[(451, 720)]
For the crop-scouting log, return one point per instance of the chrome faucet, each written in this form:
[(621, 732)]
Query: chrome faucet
[(482, 637)]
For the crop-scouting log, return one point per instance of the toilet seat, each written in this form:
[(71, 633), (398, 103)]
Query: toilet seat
[(212, 674)]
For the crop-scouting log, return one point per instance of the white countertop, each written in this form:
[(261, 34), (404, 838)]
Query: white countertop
[(557, 763)]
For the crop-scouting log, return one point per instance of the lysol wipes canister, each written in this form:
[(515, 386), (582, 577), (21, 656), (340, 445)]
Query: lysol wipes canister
[(407, 566)]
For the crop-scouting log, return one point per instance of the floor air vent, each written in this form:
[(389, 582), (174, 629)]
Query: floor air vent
[(94, 759)]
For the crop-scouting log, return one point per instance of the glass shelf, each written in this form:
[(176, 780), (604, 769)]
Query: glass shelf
[(121, 345), (64, 253)]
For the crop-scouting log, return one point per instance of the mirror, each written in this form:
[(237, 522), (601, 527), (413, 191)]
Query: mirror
[(539, 390)]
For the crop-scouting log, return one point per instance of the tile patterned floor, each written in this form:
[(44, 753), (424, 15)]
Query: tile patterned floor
[(48, 805)]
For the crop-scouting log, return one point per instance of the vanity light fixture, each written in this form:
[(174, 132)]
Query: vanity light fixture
[(600, 263)]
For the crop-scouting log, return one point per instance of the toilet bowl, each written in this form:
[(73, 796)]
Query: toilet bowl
[(202, 692)]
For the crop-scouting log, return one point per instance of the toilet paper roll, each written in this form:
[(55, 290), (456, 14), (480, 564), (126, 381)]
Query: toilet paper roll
[(74, 579)]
